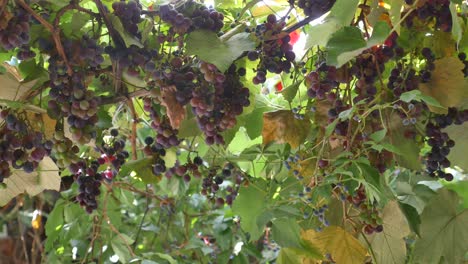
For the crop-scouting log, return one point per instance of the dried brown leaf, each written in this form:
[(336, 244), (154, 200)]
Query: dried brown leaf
[(175, 111), (282, 127)]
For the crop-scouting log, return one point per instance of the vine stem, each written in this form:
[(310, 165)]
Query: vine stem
[(54, 30), (133, 138)]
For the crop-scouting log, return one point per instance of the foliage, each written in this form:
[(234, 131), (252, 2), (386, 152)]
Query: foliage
[(301, 131)]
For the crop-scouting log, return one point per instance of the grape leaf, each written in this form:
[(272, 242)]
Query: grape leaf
[(281, 127), (288, 256), (443, 230), (128, 38), (447, 84), (343, 247), (344, 11), (457, 155), (286, 232), (45, 178), (321, 33), (208, 47), (142, 169), (389, 246), (249, 205), (456, 23), (175, 111)]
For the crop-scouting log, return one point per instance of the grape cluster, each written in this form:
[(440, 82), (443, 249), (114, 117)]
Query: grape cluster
[(25, 53), (217, 105), (157, 151), (20, 148), (133, 58), (65, 152), (402, 80), (319, 213), (190, 168), (215, 177), (167, 136), (190, 16), (113, 153), (276, 55), (462, 57), (16, 32), (129, 14), (440, 143), (315, 8), (70, 98), (89, 190), (429, 56), (321, 82), (432, 10)]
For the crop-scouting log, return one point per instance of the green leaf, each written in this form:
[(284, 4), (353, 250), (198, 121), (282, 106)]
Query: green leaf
[(443, 231), (344, 40), (379, 135), (395, 13), (461, 188), (456, 23), (344, 11), (457, 155), (208, 47), (418, 96), (321, 33), (128, 38), (288, 256), (249, 205), (54, 224), (290, 92), (286, 232), (78, 21), (120, 247), (142, 168), (412, 217), (389, 246)]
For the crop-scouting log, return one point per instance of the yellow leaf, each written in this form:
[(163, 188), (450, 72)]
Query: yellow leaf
[(341, 245), (42, 122), (282, 127), (447, 85)]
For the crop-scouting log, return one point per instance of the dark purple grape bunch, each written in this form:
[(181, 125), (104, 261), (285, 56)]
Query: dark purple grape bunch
[(429, 56), (16, 32), (276, 55), (319, 213), (403, 80), (114, 154), (129, 14), (133, 58), (207, 18), (25, 53), (322, 82), (462, 57), (179, 22), (315, 8), (157, 152), (20, 147), (89, 191), (166, 135), (438, 10), (440, 142), (222, 182)]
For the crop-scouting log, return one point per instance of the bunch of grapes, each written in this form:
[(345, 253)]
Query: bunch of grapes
[(315, 8), (462, 57), (166, 135), (25, 53), (89, 190), (71, 98), (430, 66), (368, 67), (217, 105), (157, 152), (65, 152), (276, 55), (20, 147), (129, 14), (113, 153), (16, 33), (321, 82), (440, 143), (211, 184), (207, 18), (432, 10), (133, 58), (190, 168), (180, 24)]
